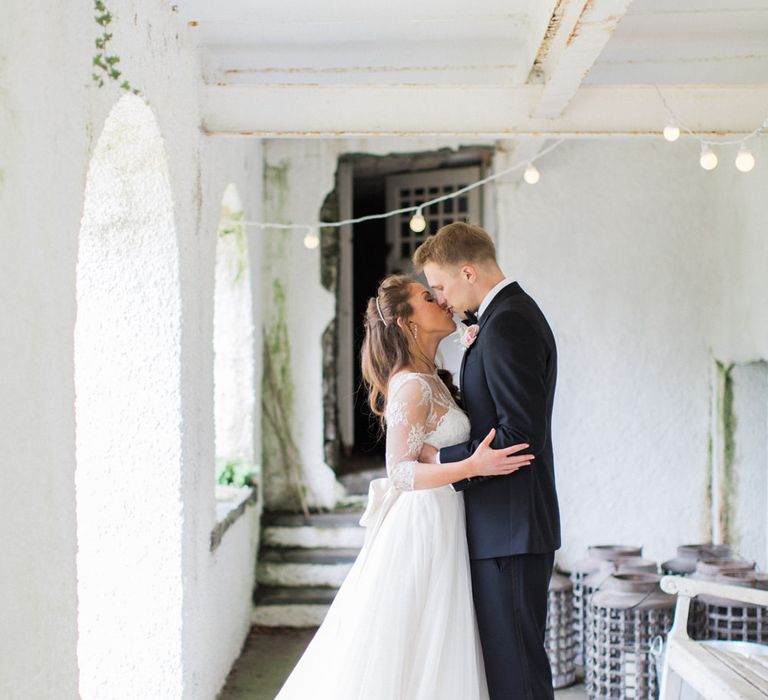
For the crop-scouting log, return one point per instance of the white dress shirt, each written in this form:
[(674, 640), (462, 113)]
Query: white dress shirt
[(488, 298)]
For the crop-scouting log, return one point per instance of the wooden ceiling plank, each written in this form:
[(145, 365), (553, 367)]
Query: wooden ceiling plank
[(579, 31)]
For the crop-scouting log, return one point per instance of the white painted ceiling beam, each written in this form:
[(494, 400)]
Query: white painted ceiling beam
[(498, 111), (583, 28)]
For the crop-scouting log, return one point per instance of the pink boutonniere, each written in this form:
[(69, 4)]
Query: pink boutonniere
[(469, 335)]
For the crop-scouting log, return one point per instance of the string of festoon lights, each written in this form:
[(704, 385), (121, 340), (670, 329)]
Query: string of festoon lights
[(417, 223), (708, 159), (745, 161)]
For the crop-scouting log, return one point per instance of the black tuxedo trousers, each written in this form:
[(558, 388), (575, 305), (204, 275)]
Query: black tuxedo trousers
[(507, 382)]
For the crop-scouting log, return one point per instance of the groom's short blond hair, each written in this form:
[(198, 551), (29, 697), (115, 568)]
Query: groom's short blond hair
[(455, 244)]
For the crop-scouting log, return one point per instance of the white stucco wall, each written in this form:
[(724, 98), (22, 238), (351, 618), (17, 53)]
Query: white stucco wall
[(622, 245), (233, 335), (741, 332), (51, 116), (220, 583)]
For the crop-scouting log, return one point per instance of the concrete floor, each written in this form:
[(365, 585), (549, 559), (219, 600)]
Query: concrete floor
[(269, 655)]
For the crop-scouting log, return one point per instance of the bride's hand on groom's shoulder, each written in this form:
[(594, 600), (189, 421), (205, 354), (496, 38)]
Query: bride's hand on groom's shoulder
[(486, 461)]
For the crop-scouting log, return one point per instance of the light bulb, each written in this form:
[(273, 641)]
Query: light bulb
[(745, 161), (531, 174), (708, 159), (671, 132), (311, 240), (418, 222)]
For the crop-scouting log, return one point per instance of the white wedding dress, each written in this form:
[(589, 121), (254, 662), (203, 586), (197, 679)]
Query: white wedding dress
[(402, 626)]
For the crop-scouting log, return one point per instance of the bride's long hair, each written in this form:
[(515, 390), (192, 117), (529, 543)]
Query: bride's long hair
[(388, 346)]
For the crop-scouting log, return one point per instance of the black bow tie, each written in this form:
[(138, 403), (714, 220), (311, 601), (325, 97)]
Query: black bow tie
[(471, 318)]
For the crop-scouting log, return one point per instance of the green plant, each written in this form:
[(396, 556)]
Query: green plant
[(104, 63), (237, 471)]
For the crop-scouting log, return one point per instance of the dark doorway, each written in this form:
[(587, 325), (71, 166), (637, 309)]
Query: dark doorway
[(369, 265), (374, 180)]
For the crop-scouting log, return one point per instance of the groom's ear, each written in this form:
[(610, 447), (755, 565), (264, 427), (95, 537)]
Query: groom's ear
[(468, 273)]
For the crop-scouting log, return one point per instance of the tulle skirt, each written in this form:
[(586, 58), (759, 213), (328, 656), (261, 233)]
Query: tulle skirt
[(402, 626)]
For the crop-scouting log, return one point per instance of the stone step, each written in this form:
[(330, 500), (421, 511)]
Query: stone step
[(296, 568), (333, 519), (291, 607), (332, 530)]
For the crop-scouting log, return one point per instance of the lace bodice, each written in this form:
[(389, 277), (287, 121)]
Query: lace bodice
[(420, 409)]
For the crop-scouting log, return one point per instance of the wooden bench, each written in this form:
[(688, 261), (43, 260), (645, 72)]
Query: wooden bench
[(717, 671)]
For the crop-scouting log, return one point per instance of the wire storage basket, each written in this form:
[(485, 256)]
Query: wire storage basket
[(596, 557), (622, 565), (731, 620), (560, 638), (688, 555), (624, 617)]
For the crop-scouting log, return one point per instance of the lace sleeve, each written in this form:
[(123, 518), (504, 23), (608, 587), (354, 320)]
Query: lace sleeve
[(408, 409)]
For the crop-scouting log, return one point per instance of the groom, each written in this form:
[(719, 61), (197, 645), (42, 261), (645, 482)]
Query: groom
[(513, 523)]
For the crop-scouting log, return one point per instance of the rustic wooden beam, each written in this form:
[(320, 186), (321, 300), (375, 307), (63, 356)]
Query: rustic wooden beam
[(578, 32), (495, 111)]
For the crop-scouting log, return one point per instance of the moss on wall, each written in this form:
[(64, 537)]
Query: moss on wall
[(727, 430), (285, 487), (230, 227), (280, 454), (275, 200), (708, 499)]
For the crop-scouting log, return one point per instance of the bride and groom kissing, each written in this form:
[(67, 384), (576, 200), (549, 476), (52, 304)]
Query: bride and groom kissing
[(447, 599)]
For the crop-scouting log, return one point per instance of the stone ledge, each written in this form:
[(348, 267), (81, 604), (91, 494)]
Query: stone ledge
[(231, 502)]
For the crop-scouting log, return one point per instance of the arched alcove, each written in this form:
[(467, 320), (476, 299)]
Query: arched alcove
[(128, 418), (233, 332)]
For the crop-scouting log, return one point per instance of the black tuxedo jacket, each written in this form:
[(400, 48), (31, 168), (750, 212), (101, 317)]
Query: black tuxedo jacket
[(508, 382)]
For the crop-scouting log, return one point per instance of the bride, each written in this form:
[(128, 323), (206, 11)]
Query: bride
[(402, 625)]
